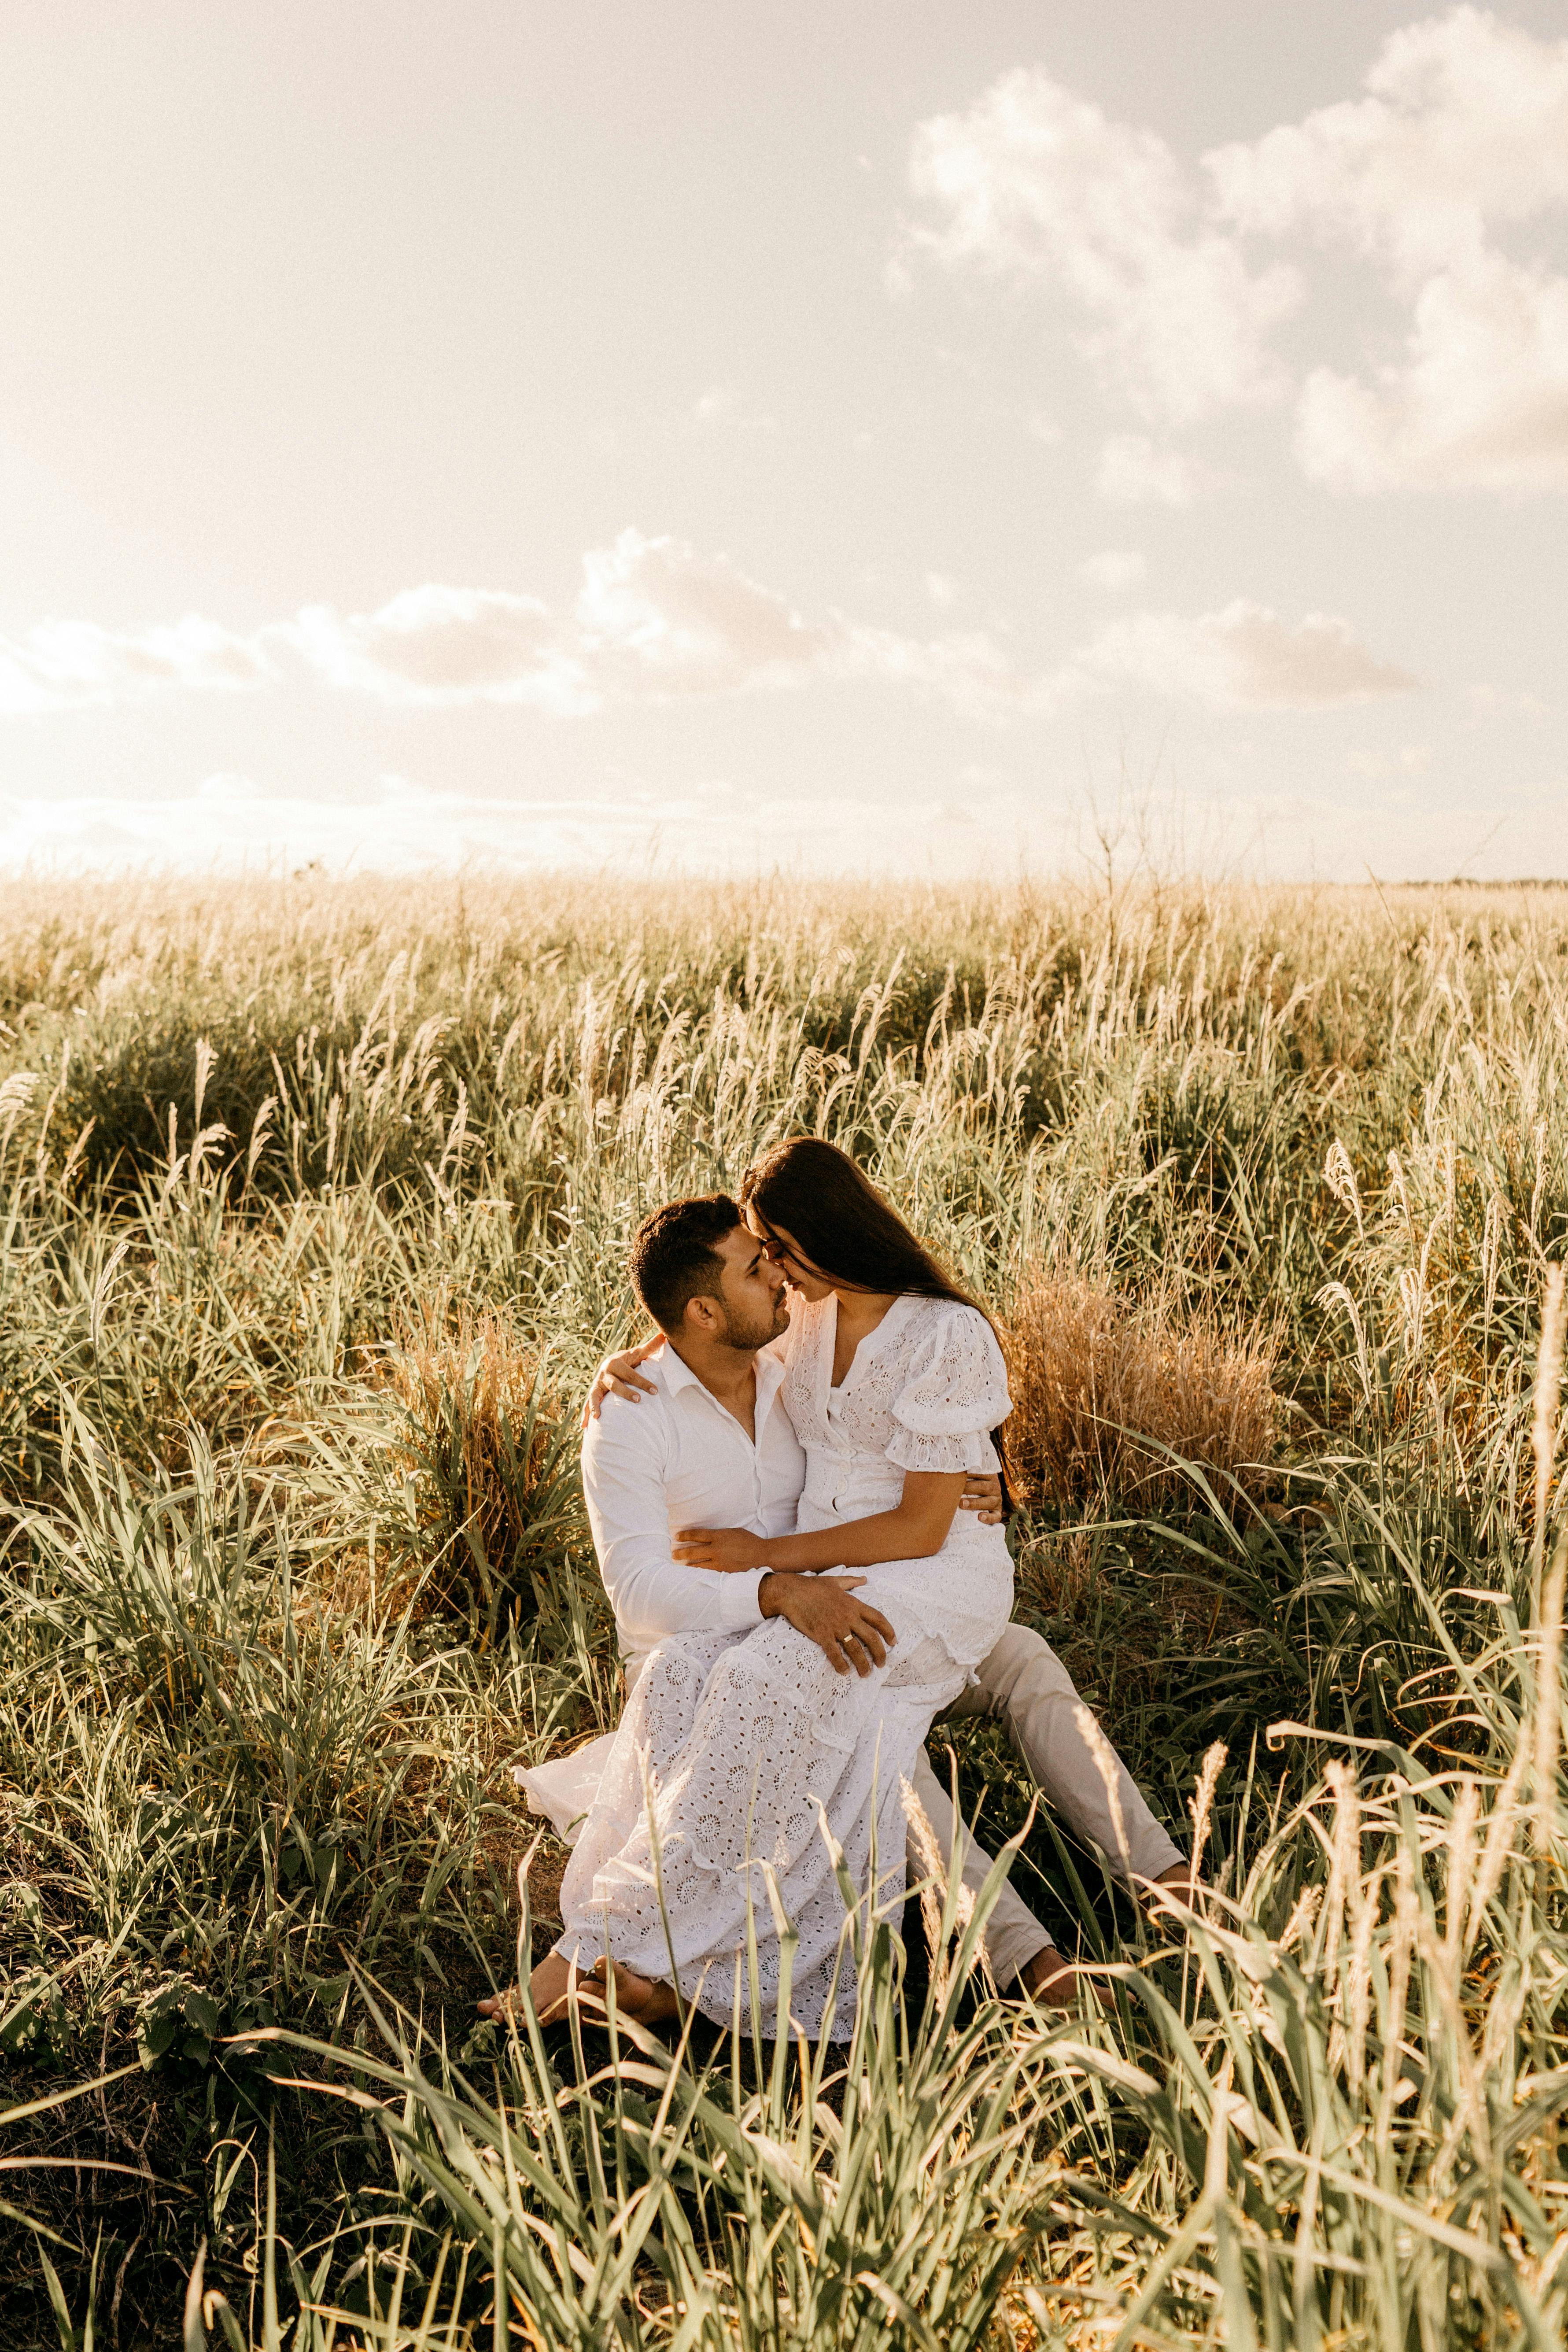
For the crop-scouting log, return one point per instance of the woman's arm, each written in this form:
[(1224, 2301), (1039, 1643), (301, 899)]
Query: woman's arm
[(619, 1376), (913, 1531)]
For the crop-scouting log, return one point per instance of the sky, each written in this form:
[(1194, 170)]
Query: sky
[(724, 434)]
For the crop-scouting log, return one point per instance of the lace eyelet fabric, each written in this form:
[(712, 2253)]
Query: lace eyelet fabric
[(745, 1769)]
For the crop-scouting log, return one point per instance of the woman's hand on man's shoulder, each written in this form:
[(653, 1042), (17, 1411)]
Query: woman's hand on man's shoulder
[(619, 1376)]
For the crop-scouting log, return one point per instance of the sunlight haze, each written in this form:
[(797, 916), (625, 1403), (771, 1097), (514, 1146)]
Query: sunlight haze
[(883, 439)]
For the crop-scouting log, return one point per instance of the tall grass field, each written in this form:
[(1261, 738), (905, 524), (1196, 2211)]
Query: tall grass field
[(314, 1207)]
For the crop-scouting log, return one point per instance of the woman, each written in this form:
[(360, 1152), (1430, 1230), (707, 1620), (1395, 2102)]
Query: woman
[(751, 1743)]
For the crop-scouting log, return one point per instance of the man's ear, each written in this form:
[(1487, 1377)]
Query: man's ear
[(704, 1318)]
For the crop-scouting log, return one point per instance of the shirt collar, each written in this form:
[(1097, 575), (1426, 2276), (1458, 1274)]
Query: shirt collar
[(678, 1375)]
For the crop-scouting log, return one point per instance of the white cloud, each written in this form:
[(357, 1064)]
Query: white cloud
[(1463, 129), (656, 618), (1459, 137), (1480, 403), (1135, 471), (966, 670), (446, 646), (942, 590), (656, 621), (1243, 658), (1116, 568), (1465, 121), (67, 665), (1037, 184)]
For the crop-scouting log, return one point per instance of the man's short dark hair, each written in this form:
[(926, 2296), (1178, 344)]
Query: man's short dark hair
[(674, 1259)]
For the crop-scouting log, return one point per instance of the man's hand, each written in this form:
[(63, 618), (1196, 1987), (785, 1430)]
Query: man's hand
[(983, 1493), (849, 1632), (731, 1551)]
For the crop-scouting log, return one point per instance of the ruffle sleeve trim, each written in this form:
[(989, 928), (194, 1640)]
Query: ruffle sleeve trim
[(955, 1395)]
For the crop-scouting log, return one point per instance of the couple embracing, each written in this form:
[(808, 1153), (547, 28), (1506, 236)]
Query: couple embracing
[(795, 1500)]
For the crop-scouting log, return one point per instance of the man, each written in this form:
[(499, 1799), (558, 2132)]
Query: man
[(707, 1443)]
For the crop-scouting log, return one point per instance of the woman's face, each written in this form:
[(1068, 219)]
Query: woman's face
[(785, 1251)]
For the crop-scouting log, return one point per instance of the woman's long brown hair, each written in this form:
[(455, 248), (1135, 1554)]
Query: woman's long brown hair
[(843, 1223), (852, 1235)]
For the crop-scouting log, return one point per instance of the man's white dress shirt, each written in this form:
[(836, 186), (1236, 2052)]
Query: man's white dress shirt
[(680, 1459), (676, 1459)]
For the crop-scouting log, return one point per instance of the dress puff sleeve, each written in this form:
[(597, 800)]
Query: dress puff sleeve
[(954, 1394)]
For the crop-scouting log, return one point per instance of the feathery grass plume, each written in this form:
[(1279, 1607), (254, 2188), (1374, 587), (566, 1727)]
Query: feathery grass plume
[(1106, 1393), (942, 1885), (1214, 1764), (16, 1092), (1547, 1710), (1339, 1175), (1107, 1767), (1543, 1414), (491, 1452)]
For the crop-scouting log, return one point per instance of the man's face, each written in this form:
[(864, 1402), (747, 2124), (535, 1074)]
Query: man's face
[(751, 1293)]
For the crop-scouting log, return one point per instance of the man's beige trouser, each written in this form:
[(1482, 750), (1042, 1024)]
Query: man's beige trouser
[(1026, 1687)]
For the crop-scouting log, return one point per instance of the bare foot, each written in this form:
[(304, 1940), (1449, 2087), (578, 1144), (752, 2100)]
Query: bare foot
[(550, 1988), (646, 1999), (1054, 1981), (547, 1987)]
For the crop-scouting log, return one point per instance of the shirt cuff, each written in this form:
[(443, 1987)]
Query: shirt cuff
[(739, 1606)]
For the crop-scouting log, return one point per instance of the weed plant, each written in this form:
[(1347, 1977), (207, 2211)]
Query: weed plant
[(313, 1212)]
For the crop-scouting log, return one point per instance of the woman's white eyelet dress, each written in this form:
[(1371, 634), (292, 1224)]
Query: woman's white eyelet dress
[(737, 1751)]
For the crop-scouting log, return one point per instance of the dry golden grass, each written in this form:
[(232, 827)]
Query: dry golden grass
[(1105, 1393)]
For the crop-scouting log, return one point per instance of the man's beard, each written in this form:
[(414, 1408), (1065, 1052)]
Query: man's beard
[(747, 1338)]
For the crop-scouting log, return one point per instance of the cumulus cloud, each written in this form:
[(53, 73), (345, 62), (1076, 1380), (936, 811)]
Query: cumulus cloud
[(1116, 568), (1464, 120), (443, 645), (1463, 129), (1035, 183), (1457, 138), (964, 669), (1480, 402), (655, 621), (656, 617), (1242, 659), (69, 665)]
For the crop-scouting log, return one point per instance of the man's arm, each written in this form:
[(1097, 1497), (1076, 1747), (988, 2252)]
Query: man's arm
[(651, 1594)]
